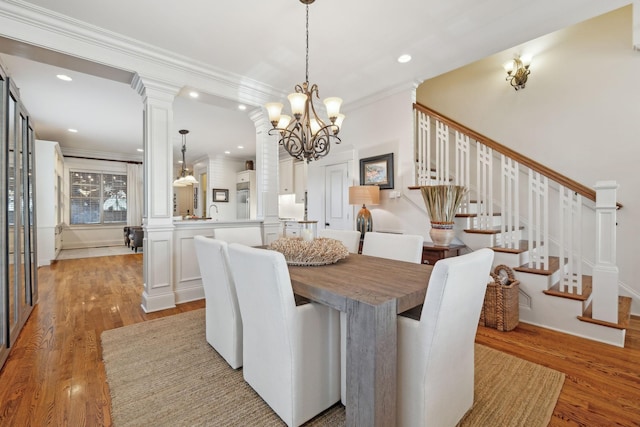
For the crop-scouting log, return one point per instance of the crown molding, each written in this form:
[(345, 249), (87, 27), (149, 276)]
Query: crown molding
[(379, 96), (130, 54), (100, 155)]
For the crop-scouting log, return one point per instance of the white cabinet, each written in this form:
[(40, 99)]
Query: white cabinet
[(246, 176), (285, 184), (291, 229), (300, 180), (49, 200), (293, 178)]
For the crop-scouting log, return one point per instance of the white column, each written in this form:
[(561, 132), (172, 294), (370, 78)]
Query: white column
[(158, 99), (605, 272), (267, 175)]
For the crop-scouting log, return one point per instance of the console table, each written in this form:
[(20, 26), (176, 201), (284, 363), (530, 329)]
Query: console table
[(432, 253)]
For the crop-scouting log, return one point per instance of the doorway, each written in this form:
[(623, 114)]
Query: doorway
[(337, 211)]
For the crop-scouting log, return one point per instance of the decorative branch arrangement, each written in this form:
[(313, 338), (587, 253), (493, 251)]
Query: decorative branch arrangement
[(442, 201)]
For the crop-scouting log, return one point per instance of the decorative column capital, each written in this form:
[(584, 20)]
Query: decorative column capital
[(149, 87)]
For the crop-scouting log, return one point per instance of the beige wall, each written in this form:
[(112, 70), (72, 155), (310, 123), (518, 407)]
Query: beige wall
[(579, 114)]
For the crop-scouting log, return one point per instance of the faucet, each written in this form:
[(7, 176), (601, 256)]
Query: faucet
[(215, 206)]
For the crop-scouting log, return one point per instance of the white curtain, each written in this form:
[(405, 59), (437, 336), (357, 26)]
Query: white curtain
[(135, 194)]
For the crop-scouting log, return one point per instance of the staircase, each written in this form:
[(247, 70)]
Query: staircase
[(556, 234)]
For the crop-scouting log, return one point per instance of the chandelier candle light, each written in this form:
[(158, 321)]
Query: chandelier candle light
[(442, 202), (307, 137), (185, 178)]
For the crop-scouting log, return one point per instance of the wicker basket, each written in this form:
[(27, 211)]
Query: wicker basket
[(501, 306)]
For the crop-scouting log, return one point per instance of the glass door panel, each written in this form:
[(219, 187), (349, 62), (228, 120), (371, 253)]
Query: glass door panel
[(12, 218), (31, 243), (18, 286), (4, 250)]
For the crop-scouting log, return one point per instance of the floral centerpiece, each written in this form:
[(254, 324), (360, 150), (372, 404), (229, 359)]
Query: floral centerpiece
[(442, 202)]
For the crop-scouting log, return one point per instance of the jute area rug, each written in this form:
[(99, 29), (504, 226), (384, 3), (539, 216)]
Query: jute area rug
[(164, 373)]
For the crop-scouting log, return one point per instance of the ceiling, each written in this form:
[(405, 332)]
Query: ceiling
[(354, 46)]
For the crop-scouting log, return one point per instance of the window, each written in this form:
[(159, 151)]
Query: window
[(98, 198)]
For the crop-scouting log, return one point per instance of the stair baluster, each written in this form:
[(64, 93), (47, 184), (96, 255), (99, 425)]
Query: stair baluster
[(553, 259)]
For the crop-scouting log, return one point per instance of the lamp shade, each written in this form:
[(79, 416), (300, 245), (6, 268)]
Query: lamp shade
[(364, 195)]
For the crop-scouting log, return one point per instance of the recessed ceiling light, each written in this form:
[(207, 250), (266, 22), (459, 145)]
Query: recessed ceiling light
[(227, 152), (141, 150), (194, 94), (64, 77), (403, 59), (73, 130), (240, 147), (242, 107)]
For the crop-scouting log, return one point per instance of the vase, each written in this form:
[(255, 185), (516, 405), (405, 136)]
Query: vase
[(442, 233)]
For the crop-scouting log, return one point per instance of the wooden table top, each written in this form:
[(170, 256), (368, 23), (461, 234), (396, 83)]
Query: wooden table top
[(363, 278)]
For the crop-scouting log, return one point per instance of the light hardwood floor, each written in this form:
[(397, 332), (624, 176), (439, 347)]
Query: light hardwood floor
[(55, 376)]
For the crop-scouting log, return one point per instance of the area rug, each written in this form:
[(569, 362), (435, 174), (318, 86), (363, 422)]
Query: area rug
[(163, 373)]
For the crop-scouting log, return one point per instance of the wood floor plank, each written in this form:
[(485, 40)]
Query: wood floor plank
[(55, 375)]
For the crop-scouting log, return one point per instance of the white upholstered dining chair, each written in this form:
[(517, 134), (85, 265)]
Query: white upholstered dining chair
[(436, 353), (401, 247), (291, 353), (349, 238), (249, 236), (223, 321)]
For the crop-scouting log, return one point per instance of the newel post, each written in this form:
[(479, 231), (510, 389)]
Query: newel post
[(605, 272)]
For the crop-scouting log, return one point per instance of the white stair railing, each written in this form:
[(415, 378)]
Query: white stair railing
[(436, 163), (538, 216), (510, 206), (570, 240), (462, 168), (484, 186)]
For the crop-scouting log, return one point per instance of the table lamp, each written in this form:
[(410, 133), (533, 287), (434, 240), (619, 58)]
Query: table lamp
[(364, 194)]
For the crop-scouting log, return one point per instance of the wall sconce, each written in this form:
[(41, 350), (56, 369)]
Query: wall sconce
[(518, 71)]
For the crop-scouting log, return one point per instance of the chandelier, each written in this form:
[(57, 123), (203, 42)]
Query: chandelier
[(185, 177), (307, 136), (518, 71)]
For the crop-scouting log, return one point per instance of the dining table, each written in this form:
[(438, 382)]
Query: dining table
[(371, 291)]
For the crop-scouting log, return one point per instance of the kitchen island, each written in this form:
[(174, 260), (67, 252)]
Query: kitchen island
[(186, 273)]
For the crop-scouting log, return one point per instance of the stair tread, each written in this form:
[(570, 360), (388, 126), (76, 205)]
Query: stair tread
[(624, 315), (552, 267), (586, 290), (491, 230), (473, 215), (522, 246)]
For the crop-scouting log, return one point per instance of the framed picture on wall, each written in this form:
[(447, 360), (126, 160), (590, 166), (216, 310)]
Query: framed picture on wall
[(378, 171), (220, 195)]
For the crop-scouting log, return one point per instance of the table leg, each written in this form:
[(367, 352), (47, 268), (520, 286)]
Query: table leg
[(371, 364)]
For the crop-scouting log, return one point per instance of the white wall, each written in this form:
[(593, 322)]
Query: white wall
[(577, 115), (380, 127)]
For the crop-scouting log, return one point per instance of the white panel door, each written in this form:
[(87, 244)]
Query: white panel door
[(337, 209)]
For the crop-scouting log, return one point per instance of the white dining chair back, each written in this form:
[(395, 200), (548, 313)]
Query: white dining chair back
[(401, 247), (291, 353), (222, 313), (436, 353), (249, 236), (349, 238)]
